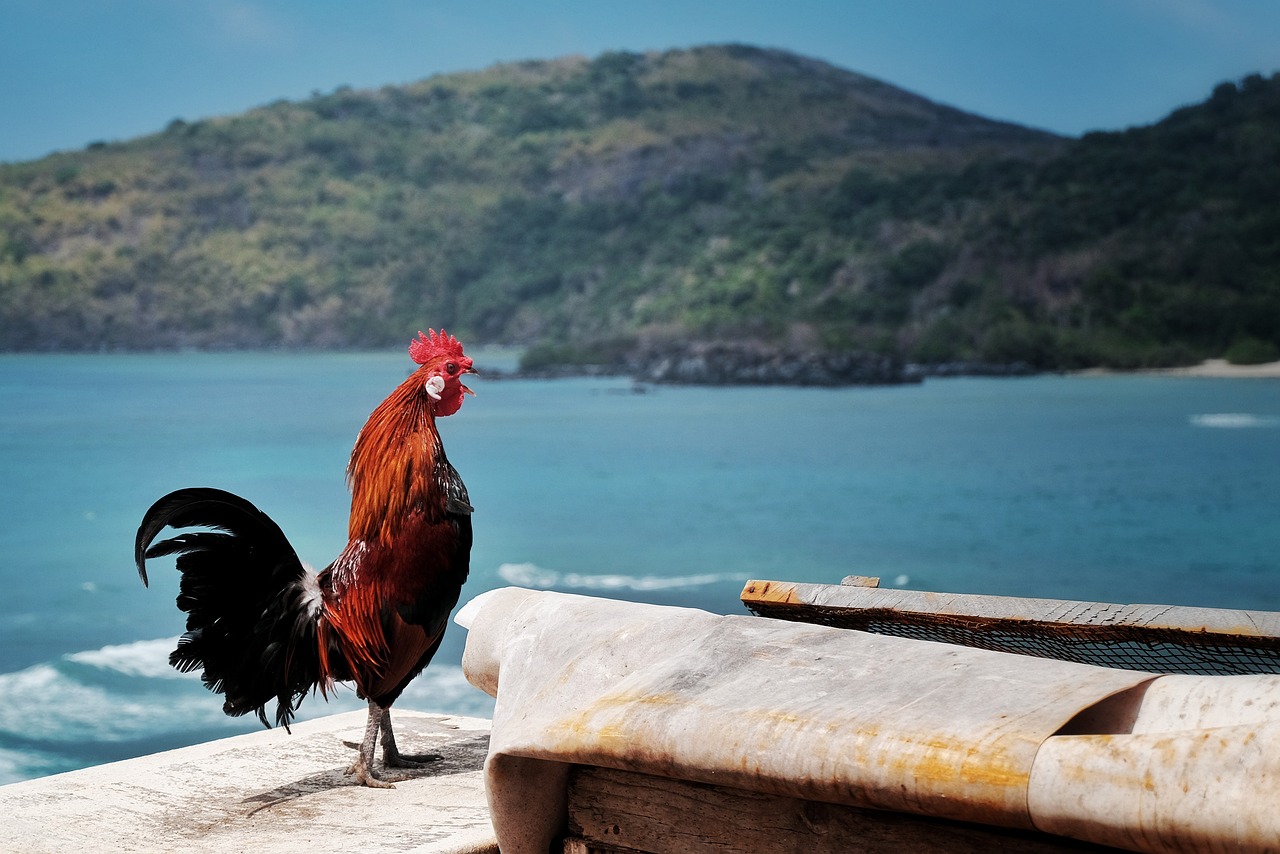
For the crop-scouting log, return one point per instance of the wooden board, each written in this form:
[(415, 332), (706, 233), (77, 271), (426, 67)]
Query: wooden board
[(859, 593), (1149, 638), (618, 812)]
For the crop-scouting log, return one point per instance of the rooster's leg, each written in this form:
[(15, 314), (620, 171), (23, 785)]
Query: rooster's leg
[(362, 768), (391, 755)]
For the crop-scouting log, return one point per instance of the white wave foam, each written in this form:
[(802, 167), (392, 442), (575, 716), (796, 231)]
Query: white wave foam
[(71, 710), (1233, 420), (528, 575), (16, 766), (444, 688), (148, 658), (532, 575), (441, 688), (130, 705)]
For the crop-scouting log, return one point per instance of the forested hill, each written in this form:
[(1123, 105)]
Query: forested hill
[(594, 207)]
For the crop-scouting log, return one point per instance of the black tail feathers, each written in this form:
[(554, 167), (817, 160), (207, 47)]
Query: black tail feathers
[(252, 607)]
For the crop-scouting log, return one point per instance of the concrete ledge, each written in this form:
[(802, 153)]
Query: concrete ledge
[(267, 791)]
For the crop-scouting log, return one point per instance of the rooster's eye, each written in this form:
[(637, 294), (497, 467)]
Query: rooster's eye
[(452, 367)]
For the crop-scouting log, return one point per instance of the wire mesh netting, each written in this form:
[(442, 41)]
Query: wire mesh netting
[(1127, 647)]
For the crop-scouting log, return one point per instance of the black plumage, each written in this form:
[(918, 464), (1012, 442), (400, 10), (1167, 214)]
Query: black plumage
[(251, 605)]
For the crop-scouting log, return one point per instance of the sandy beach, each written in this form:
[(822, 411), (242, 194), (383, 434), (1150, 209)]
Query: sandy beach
[(1208, 368)]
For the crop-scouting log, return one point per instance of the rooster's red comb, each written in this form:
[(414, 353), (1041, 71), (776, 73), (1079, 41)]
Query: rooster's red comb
[(425, 347)]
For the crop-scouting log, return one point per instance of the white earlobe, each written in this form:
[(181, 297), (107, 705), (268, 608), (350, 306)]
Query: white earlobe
[(434, 386)]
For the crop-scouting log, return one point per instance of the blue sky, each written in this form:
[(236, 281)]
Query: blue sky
[(76, 71)]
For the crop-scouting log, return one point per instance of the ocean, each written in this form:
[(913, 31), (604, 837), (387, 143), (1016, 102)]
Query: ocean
[(1150, 489)]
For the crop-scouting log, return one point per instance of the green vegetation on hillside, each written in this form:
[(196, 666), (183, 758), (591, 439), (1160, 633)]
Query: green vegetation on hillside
[(589, 205), (1155, 245)]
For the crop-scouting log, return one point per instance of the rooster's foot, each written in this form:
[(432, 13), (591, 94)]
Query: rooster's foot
[(410, 760), (362, 768), (365, 775)]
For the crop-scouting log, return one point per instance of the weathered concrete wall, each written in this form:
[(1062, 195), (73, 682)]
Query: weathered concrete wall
[(269, 792)]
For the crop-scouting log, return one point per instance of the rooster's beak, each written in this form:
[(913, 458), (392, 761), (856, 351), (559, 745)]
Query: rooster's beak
[(466, 390)]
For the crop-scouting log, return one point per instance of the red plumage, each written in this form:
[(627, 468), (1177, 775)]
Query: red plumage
[(261, 627)]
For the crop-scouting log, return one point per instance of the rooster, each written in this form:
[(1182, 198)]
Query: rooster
[(262, 627)]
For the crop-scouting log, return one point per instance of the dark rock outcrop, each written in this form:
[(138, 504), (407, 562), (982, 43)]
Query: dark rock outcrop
[(740, 363), (917, 372), (729, 363)]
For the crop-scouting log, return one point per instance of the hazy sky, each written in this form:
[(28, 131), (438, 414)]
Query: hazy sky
[(76, 71)]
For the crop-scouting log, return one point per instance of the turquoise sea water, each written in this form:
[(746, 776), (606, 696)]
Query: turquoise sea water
[(1119, 488)]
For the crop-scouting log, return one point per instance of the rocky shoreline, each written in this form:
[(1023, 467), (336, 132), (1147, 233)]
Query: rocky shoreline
[(724, 363), (732, 363)]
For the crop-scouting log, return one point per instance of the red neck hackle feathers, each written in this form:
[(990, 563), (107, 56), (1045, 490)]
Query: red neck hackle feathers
[(392, 466)]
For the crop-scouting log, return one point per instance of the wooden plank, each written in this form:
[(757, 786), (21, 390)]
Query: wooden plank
[(619, 811), (1144, 638), (860, 581), (784, 594)]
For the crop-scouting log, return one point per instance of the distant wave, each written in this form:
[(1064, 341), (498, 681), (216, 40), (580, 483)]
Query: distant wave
[(75, 709), (149, 658), (1233, 420), (532, 575)]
